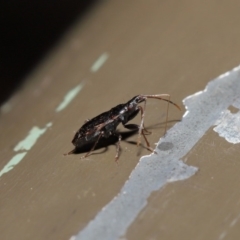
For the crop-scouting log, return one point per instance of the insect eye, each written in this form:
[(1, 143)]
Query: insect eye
[(138, 99)]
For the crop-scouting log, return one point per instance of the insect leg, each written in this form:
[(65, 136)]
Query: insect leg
[(141, 127), (167, 95), (65, 154), (136, 127), (87, 154), (118, 148), (167, 114), (148, 145)]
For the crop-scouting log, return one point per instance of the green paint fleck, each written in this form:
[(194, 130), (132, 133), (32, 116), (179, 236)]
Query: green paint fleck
[(12, 163), (32, 137), (69, 97), (99, 62)]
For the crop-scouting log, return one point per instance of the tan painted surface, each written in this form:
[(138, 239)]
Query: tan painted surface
[(173, 47)]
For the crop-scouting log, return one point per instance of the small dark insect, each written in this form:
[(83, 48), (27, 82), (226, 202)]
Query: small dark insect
[(106, 123)]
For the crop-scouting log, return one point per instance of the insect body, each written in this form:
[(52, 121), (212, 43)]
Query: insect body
[(106, 123)]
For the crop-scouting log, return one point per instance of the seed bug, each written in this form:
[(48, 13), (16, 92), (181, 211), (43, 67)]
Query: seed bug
[(105, 124)]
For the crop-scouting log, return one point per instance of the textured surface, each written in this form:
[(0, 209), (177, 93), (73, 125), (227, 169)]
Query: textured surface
[(155, 47)]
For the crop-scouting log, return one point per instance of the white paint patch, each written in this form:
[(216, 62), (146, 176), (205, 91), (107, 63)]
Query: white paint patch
[(13, 162), (69, 97), (228, 126), (31, 139), (154, 171), (99, 62), (185, 114), (236, 103)]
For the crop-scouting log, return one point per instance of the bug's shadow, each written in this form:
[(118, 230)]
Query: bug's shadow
[(112, 140), (149, 128), (104, 143)]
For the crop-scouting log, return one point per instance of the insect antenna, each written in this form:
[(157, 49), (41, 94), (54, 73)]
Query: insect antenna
[(161, 97)]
